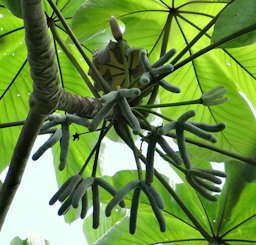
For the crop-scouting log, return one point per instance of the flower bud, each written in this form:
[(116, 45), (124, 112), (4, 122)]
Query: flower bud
[(116, 31), (214, 96)]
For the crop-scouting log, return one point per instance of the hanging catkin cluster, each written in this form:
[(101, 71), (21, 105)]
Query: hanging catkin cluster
[(122, 109)]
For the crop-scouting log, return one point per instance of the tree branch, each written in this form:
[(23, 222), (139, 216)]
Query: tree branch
[(75, 104), (18, 162), (44, 70), (43, 100)]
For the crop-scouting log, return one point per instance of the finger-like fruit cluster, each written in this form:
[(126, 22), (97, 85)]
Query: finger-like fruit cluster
[(151, 193), (75, 191), (61, 135), (199, 129), (154, 138), (156, 69), (214, 96), (204, 181), (118, 97)]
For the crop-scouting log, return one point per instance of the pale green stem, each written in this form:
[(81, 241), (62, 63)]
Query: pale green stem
[(153, 112), (182, 205), (135, 151), (191, 102), (126, 67), (166, 36)]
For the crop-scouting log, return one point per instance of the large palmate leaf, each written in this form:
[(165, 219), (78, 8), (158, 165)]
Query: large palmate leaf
[(13, 6), (145, 23), (230, 220), (230, 22), (176, 233)]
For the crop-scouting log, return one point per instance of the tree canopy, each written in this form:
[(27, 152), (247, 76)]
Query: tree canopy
[(176, 60)]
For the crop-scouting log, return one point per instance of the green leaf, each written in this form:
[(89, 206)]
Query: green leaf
[(14, 6), (239, 15), (106, 224), (15, 82), (18, 241), (144, 23), (216, 218), (118, 180), (239, 196), (32, 240), (233, 217), (68, 8), (222, 219), (148, 232), (101, 11)]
